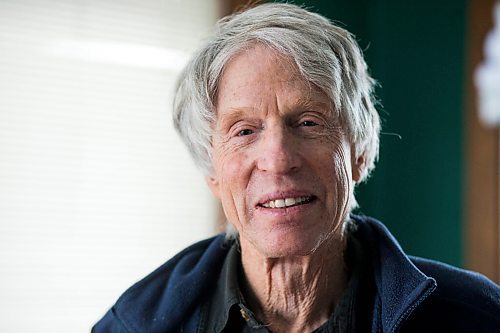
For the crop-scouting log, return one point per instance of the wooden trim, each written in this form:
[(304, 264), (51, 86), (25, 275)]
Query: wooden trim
[(482, 245), (231, 6)]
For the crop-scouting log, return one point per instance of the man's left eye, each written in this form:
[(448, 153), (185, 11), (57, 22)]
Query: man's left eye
[(308, 123), (245, 132)]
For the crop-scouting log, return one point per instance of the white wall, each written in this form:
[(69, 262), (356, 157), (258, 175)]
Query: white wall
[(96, 189)]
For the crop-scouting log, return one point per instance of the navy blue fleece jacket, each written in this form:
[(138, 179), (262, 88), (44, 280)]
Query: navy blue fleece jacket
[(411, 294)]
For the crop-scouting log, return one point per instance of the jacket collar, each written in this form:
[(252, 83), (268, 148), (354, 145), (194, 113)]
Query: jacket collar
[(400, 286)]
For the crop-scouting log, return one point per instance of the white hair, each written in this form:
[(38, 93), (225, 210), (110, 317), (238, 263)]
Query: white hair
[(326, 55)]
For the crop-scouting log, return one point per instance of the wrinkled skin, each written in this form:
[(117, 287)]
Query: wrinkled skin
[(276, 137)]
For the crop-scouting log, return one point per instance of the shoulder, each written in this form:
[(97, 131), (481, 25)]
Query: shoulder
[(465, 299), (175, 288), (460, 300), (460, 285)]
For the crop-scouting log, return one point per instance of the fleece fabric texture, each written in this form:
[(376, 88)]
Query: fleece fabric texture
[(411, 294)]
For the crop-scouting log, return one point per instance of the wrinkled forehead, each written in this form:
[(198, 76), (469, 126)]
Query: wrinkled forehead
[(258, 71)]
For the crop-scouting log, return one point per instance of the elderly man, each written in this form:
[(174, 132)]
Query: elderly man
[(277, 110)]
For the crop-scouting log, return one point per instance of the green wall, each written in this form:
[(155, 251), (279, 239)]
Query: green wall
[(415, 50)]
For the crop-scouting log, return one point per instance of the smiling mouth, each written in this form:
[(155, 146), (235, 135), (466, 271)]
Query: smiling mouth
[(287, 202)]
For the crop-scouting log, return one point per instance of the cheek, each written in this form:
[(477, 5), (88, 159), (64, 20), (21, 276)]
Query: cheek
[(233, 181), (335, 171), (344, 183), (232, 169), (335, 162), (342, 160)]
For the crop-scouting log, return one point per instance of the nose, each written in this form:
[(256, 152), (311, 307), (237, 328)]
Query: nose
[(278, 151)]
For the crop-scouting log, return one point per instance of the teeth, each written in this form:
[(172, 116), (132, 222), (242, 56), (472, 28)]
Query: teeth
[(287, 202), (280, 203)]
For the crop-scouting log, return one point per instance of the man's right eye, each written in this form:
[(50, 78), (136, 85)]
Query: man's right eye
[(245, 132)]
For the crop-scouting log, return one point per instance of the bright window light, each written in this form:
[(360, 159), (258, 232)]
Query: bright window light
[(96, 189)]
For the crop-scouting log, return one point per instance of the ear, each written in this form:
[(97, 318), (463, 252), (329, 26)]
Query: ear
[(213, 184), (358, 166)]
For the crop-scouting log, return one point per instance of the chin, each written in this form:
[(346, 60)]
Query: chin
[(280, 246)]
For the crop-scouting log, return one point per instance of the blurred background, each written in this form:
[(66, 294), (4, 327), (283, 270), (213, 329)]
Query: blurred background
[(96, 189)]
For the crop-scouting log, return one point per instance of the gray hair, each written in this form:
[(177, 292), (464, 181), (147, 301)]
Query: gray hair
[(326, 55)]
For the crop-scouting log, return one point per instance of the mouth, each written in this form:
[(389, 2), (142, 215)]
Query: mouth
[(287, 202)]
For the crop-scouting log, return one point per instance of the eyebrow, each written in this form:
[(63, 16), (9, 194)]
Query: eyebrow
[(232, 115), (309, 103)]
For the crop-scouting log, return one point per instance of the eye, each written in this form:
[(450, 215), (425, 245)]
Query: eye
[(245, 132), (308, 123)]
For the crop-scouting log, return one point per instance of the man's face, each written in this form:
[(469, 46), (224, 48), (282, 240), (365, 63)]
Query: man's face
[(282, 164)]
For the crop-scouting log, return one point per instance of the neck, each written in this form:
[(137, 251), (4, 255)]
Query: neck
[(294, 294)]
